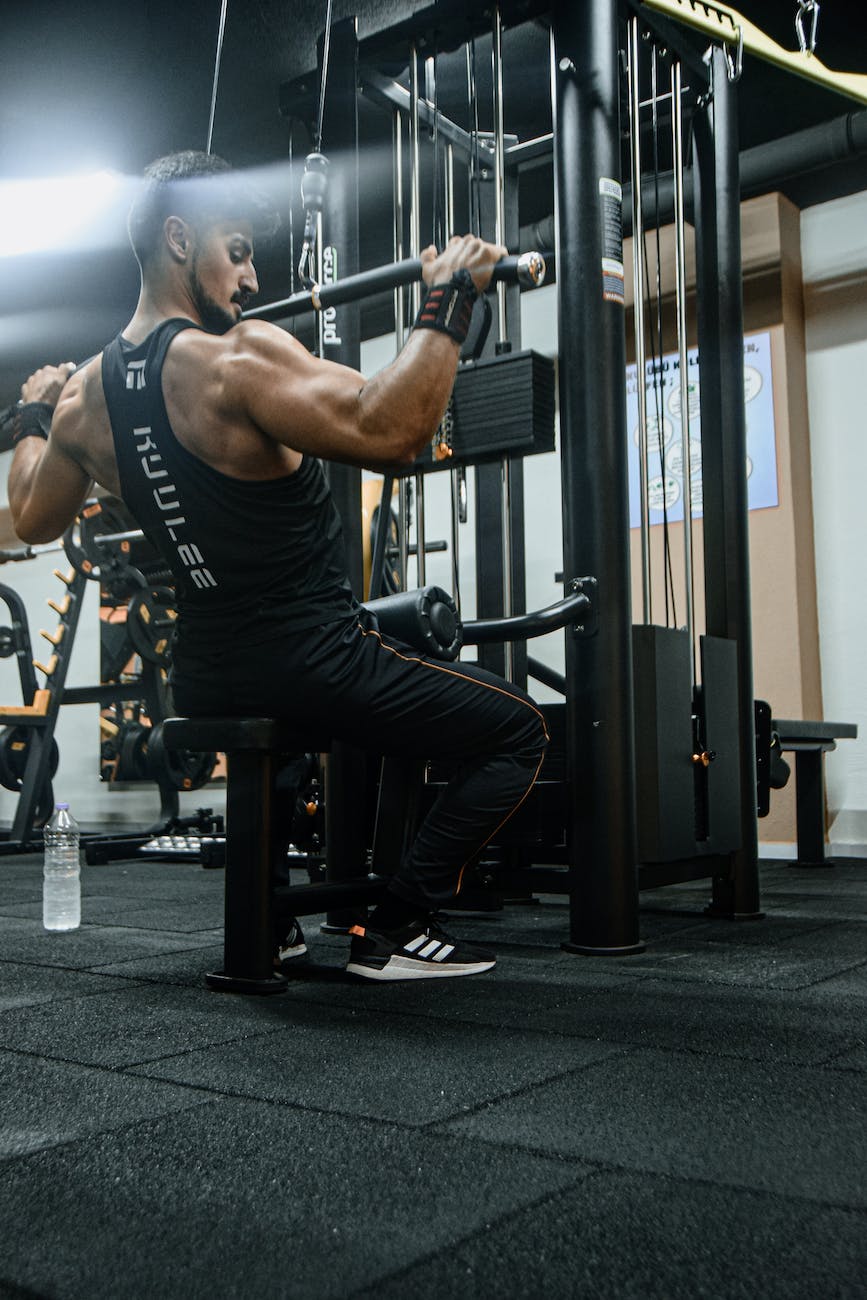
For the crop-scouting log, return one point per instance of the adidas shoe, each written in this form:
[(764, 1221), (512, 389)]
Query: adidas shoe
[(419, 951), (290, 947)]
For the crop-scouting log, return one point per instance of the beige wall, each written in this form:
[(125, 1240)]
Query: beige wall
[(782, 567)]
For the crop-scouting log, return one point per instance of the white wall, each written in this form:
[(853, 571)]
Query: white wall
[(834, 254)]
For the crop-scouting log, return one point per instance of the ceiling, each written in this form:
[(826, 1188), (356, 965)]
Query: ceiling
[(103, 85)]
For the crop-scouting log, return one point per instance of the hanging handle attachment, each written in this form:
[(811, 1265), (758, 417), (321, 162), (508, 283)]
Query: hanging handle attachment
[(314, 186)]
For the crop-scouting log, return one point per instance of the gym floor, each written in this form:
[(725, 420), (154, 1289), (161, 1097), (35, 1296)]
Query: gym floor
[(688, 1122)]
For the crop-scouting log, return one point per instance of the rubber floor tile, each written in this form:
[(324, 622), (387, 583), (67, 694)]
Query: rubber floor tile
[(141, 1022), (45, 1103), (515, 996), (390, 1067), (186, 967), (187, 917), (240, 1199), (91, 945), (26, 985), (617, 1235), (788, 1130)]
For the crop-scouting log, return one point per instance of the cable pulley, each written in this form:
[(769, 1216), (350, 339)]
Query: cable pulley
[(314, 186)]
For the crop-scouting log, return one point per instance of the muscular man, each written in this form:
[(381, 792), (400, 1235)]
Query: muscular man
[(211, 429)]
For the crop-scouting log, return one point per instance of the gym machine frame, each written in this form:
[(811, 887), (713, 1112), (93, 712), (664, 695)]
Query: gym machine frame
[(604, 874)]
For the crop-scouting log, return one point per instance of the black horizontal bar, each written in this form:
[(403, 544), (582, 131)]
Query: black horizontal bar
[(391, 94), (547, 676), (307, 900), (521, 627), (430, 548), (365, 284), (539, 149), (104, 694)]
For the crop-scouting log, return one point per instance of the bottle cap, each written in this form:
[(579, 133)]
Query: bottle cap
[(58, 806)]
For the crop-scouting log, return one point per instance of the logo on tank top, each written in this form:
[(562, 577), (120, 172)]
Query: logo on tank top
[(165, 494), (135, 375)]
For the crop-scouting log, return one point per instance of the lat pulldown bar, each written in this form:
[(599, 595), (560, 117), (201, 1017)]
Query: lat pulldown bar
[(527, 269)]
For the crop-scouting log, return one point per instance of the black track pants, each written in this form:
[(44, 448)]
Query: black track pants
[(347, 679)]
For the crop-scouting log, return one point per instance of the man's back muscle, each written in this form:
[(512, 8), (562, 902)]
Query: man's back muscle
[(199, 408)]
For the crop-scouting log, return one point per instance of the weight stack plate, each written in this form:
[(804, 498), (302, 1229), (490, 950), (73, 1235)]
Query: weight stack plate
[(502, 406)]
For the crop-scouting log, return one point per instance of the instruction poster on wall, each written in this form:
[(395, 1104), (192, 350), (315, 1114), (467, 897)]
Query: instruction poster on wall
[(664, 438)]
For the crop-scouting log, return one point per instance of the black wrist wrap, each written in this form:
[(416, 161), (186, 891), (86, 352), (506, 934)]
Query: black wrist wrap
[(448, 308), (32, 420)]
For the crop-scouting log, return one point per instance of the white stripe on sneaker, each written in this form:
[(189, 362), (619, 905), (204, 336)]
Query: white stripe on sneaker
[(415, 943), (444, 952), (430, 948)]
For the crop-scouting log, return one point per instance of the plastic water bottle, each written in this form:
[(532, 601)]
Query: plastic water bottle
[(61, 888)]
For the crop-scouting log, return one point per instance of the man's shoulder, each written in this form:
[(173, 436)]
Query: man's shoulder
[(262, 339), (80, 404), (246, 338)]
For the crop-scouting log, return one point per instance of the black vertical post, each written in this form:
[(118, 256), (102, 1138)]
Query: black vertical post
[(248, 935), (488, 477), (724, 445), (340, 327), (347, 801), (595, 488)]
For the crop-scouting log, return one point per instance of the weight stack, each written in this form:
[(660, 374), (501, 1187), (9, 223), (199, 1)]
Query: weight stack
[(501, 406)]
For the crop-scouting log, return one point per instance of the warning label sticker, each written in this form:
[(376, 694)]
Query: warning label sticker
[(611, 199), (612, 281)]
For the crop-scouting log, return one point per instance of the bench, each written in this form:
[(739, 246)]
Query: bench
[(255, 749), (809, 741)]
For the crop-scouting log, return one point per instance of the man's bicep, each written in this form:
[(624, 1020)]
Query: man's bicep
[(309, 405)]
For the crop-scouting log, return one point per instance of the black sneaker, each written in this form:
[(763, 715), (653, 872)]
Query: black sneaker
[(418, 951), (290, 947)]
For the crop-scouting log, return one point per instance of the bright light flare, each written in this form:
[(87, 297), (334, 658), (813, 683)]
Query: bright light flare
[(45, 215)]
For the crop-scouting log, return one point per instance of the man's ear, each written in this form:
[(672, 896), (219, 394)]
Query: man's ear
[(178, 238)]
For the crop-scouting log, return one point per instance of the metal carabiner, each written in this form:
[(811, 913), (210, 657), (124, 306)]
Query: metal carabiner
[(735, 63), (805, 8)]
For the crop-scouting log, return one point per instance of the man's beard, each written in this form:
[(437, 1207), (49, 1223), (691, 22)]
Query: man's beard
[(216, 319)]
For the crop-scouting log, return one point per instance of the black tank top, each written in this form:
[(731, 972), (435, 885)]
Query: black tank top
[(248, 558)]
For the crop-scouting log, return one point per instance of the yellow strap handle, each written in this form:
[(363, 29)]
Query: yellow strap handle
[(722, 23)]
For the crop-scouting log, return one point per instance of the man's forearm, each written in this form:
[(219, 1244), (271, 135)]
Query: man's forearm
[(416, 388), (413, 391), (25, 463)]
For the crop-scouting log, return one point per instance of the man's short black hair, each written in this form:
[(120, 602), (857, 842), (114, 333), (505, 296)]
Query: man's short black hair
[(203, 189)]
